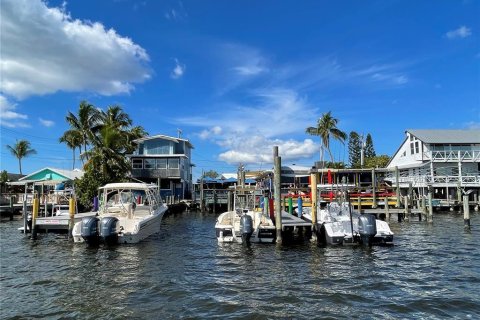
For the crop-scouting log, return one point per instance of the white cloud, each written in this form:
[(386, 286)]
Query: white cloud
[(9, 117), (461, 32), (247, 133), (46, 123), (45, 50), (178, 70)]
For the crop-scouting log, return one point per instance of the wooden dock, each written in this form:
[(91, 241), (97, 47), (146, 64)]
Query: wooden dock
[(58, 224)]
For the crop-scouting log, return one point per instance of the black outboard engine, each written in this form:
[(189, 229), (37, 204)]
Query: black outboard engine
[(109, 230), (367, 227), (89, 231), (246, 228)]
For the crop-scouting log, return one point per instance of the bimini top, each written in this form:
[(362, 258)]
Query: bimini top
[(128, 185)]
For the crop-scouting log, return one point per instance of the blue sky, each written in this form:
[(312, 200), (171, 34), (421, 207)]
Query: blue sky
[(238, 77)]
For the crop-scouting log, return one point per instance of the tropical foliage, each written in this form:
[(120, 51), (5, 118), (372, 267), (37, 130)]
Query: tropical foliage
[(327, 128), (377, 161), (20, 150), (106, 137), (211, 174)]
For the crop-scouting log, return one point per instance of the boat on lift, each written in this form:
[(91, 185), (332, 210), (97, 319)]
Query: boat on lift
[(128, 213), (246, 222)]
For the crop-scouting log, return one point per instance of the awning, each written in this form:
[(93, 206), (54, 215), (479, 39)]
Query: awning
[(44, 182)]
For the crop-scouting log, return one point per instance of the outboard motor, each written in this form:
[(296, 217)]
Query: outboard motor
[(109, 230), (367, 227), (246, 228), (89, 230)]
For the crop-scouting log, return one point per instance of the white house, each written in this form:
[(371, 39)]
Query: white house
[(438, 158)]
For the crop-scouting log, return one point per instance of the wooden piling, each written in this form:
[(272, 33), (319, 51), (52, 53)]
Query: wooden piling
[(313, 188), (25, 215), (229, 201), (406, 215), (278, 200), (466, 213), (430, 207), (397, 179), (35, 209), (374, 189), (387, 210), (71, 211), (11, 208)]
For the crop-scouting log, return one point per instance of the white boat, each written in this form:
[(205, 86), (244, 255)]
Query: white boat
[(128, 213), (336, 221), (247, 222)]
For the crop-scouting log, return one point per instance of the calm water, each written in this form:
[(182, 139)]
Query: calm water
[(432, 272)]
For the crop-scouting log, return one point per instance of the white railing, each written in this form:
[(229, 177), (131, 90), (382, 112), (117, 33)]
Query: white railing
[(452, 156), (447, 176)]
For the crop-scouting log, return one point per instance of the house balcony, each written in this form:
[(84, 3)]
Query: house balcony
[(156, 173), (452, 156)]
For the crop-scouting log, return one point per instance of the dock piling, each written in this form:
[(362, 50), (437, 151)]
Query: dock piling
[(466, 213), (430, 207), (406, 216), (313, 188), (71, 211), (35, 209), (278, 200), (25, 216), (387, 210), (11, 208)]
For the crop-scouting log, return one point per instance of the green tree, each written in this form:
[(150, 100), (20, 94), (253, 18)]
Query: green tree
[(354, 149), (73, 139), (20, 150), (210, 174), (3, 180), (377, 161), (327, 128), (369, 150), (85, 122)]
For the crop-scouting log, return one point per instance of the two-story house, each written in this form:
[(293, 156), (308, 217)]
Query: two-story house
[(165, 159), (447, 160)]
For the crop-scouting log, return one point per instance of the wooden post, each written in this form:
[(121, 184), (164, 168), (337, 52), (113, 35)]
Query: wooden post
[(35, 208), (71, 211), (278, 200), (475, 202), (202, 199), (214, 201), (410, 195), (229, 201), (397, 179), (406, 216), (11, 208), (313, 188), (387, 210), (430, 207), (466, 213), (374, 189), (25, 215)]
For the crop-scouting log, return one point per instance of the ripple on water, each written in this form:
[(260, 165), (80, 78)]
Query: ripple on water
[(432, 271)]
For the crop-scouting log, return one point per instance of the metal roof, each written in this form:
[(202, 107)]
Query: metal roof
[(447, 136)]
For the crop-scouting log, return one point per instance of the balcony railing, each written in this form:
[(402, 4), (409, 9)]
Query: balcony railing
[(156, 173), (452, 156)]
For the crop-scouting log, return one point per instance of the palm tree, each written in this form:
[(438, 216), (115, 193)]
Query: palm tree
[(107, 154), (20, 150), (73, 139), (115, 117), (87, 119), (326, 128)]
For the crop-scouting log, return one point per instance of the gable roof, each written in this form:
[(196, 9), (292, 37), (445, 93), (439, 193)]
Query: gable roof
[(447, 136)]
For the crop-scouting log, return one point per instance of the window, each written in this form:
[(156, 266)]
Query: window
[(417, 150), (173, 164), (137, 163), (161, 163), (157, 147), (149, 163)]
